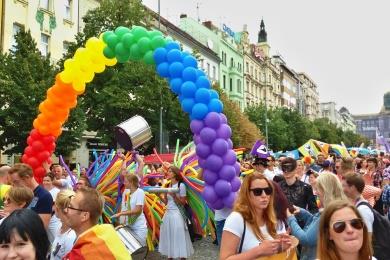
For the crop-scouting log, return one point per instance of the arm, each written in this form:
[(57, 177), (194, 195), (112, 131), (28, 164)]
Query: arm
[(45, 219), (137, 210), (141, 164), (306, 237)]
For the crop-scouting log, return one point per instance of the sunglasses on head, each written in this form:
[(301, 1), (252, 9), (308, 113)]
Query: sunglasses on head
[(340, 226), (259, 191)]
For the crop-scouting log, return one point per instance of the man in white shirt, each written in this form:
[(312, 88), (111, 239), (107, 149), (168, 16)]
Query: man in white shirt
[(271, 170), (353, 186), (61, 182)]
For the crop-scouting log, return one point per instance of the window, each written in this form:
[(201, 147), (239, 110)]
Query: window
[(68, 10), (44, 44), (247, 86), (238, 86), (247, 67), (15, 29), (214, 72), (224, 81), (251, 70), (201, 63), (231, 84), (255, 73), (65, 47), (208, 69), (231, 62), (45, 4)]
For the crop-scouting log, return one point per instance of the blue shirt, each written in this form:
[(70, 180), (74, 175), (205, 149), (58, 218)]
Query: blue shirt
[(42, 203)]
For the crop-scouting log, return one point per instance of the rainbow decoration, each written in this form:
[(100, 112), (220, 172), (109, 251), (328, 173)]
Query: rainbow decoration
[(208, 123)]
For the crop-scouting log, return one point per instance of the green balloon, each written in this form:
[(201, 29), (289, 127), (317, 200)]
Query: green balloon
[(148, 58), (154, 33), (121, 30), (121, 50), (112, 41), (139, 32), (144, 44), (108, 52), (158, 41), (122, 58), (135, 53), (128, 40), (106, 35)]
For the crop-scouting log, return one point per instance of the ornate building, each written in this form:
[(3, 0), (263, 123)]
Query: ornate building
[(311, 106)]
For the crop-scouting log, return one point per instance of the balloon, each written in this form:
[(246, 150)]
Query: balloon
[(172, 45), (144, 44), (196, 126), (154, 33), (216, 105), (223, 118), (121, 31), (227, 172), (35, 134), (213, 93), (229, 200), (210, 177), (203, 82), (200, 73), (199, 111), (175, 69), (222, 188), (187, 104), (188, 89), (235, 183), (214, 163), (224, 131), (209, 194), (190, 61), (189, 74), (219, 147), (112, 40), (39, 172), (163, 69), (174, 56), (128, 40), (208, 135), (108, 52), (212, 120), (202, 96), (48, 139), (160, 55), (37, 146), (230, 158), (33, 162), (218, 204), (203, 150), (157, 42), (29, 151), (24, 158), (237, 168), (176, 85), (230, 143), (201, 162), (43, 156), (197, 139), (148, 58), (135, 53), (29, 140), (106, 35)]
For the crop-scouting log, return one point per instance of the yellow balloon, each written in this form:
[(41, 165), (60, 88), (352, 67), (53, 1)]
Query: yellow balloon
[(66, 76), (88, 75), (110, 62), (78, 85), (99, 67)]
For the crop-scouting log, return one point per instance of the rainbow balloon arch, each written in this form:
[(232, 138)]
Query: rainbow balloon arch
[(208, 124)]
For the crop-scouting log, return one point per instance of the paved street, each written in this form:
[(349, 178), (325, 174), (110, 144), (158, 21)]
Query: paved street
[(204, 249)]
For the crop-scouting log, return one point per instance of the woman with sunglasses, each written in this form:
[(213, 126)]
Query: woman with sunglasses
[(252, 229), (342, 234), (328, 189), (16, 198)]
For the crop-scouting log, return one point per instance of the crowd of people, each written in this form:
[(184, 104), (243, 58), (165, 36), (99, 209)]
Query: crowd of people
[(334, 208)]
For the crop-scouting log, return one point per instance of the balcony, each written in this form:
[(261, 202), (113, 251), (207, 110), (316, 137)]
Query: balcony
[(234, 70)]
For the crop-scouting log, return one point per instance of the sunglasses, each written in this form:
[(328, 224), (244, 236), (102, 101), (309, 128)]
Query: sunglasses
[(340, 226), (259, 191)]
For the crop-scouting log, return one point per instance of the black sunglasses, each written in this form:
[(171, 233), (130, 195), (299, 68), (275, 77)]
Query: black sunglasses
[(259, 191), (340, 226)]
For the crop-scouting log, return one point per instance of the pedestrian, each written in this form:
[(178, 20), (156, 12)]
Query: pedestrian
[(15, 198)]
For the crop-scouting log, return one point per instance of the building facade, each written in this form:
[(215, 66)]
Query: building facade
[(290, 84), (347, 121), (328, 110), (311, 107)]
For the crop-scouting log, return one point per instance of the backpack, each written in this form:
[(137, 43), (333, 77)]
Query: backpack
[(386, 195), (380, 234)]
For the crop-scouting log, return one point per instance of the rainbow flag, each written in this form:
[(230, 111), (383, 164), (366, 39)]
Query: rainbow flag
[(100, 242)]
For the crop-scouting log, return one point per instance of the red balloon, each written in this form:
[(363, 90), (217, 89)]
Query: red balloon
[(43, 156), (24, 158), (37, 146), (49, 161), (50, 147), (29, 140), (39, 172), (33, 162), (29, 151), (48, 139), (35, 135)]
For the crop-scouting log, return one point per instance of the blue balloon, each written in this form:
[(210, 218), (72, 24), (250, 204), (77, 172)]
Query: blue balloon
[(174, 55), (214, 94), (176, 69), (203, 82), (160, 55), (187, 104), (188, 89), (163, 69), (189, 74), (184, 54), (172, 46), (202, 95), (176, 85), (190, 61), (199, 111), (215, 105), (200, 73)]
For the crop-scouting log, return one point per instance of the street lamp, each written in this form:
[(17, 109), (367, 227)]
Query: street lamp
[(161, 108)]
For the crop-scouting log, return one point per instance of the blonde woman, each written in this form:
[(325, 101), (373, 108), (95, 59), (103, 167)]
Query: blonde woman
[(328, 189), (15, 198), (342, 234), (252, 229), (64, 240)]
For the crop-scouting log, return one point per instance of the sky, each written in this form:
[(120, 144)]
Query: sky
[(343, 45)]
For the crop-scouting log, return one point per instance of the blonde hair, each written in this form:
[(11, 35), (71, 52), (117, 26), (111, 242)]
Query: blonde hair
[(329, 185), (244, 206), (63, 198), (20, 195)]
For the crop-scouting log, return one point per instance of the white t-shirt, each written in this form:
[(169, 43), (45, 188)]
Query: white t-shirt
[(62, 244), (182, 193), (271, 174), (66, 183), (367, 214), (54, 191), (222, 214), (136, 199), (55, 223), (235, 224)]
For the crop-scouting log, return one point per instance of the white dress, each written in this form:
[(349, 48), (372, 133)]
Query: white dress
[(175, 241)]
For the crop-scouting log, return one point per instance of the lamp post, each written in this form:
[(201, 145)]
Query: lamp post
[(266, 122), (161, 108)]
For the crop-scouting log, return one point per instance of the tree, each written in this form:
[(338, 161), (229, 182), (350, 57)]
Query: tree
[(26, 75)]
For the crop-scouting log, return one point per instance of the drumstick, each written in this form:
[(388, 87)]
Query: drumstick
[(160, 190)]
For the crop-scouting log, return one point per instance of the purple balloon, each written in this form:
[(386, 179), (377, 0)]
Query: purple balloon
[(230, 157), (210, 177), (223, 118), (222, 188), (236, 183), (230, 143), (208, 135), (227, 172), (218, 204), (203, 150), (196, 126), (237, 169), (229, 200), (224, 131), (214, 162), (213, 120), (219, 147), (197, 139), (209, 194), (202, 162)]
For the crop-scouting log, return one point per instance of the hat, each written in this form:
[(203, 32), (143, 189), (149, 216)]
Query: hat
[(326, 163)]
